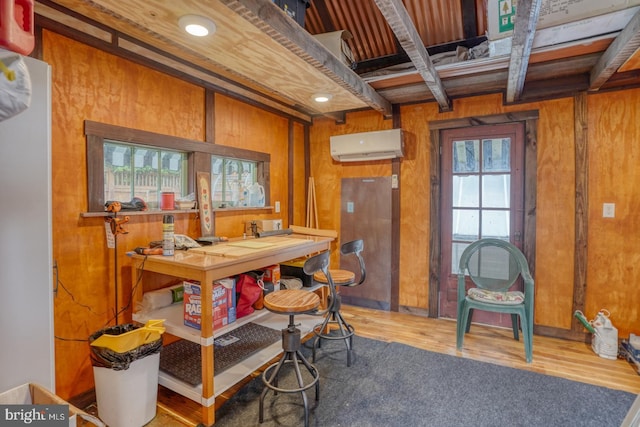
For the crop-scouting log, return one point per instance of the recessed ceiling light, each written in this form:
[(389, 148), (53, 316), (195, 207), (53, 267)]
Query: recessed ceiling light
[(197, 25), (322, 97)]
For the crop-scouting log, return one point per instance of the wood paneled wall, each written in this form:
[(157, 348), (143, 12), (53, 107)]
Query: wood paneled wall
[(327, 173), (89, 84), (92, 85), (612, 245), (243, 126), (614, 174)]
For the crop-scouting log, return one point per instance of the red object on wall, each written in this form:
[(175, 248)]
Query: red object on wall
[(16, 26)]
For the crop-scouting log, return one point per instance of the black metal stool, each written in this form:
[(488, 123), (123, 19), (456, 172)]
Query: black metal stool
[(333, 319), (291, 302)]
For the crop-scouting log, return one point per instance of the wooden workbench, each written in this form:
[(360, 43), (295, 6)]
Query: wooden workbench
[(207, 265)]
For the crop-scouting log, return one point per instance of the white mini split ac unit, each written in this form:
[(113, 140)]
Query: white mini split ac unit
[(366, 146)]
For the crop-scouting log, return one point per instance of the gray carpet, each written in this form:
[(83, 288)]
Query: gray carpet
[(182, 358), (392, 384)]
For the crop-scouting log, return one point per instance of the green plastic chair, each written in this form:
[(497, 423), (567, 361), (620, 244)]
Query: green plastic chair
[(493, 266)]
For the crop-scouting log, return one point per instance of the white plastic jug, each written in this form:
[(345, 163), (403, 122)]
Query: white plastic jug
[(256, 195), (605, 339)]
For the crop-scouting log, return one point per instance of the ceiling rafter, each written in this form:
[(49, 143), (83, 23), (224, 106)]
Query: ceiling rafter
[(527, 12), (625, 45), (398, 19)]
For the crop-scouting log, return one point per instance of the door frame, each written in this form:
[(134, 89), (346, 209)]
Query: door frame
[(530, 121)]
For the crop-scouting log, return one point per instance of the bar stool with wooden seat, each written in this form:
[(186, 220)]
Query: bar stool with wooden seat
[(333, 319), (292, 302)]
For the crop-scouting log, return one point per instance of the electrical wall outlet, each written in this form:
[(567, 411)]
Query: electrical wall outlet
[(608, 210)]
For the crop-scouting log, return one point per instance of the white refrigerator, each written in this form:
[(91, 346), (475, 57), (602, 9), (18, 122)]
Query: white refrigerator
[(26, 276)]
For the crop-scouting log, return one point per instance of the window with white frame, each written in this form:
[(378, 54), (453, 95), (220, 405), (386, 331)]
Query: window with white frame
[(124, 163), (141, 171)]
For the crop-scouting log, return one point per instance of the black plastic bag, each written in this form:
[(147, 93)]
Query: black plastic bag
[(108, 358)]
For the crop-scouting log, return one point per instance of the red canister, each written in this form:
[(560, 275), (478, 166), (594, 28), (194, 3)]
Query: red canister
[(167, 201)]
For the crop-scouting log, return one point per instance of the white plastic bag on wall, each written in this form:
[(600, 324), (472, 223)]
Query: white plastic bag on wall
[(15, 85)]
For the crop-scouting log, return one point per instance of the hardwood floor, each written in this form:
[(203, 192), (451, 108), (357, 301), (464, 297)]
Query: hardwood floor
[(568, 359)]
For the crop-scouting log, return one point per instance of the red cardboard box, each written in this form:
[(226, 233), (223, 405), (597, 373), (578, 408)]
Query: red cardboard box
[(223, 303), (272, 274)]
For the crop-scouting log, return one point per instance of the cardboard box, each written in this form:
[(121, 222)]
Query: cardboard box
[(272, 274), (263, 225), (501, 14), (223, 303), (34, 394), (563, 33)]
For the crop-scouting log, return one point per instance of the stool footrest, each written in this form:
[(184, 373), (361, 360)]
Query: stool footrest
[(322, 330), (346, 331), (269, 382)]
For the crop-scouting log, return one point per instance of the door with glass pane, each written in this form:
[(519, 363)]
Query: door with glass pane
[(482, 196)]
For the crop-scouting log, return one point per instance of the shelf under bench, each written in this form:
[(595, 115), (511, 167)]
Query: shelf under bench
[(236, 373)]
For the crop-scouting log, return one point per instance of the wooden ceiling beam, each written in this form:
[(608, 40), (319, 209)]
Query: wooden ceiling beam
[(555, 87), (398, 19), (527, 12), (281, 29), (621, 49)]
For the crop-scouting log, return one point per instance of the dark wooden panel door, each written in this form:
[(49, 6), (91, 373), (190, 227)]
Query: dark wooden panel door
[(482, 196), (366, 214)]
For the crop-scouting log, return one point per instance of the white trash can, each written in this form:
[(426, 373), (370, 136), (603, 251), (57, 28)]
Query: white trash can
[(128, 398), (126, 362)]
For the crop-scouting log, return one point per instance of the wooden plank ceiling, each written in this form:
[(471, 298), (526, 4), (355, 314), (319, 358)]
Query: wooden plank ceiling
[(260, 53)]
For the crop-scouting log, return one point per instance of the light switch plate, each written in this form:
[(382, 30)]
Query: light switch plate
[(608, 210)]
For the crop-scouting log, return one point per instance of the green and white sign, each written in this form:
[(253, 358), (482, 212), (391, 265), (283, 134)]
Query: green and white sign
[(506, 15)]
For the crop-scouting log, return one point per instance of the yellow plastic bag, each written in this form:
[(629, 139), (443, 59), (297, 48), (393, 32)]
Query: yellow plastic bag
[(127, 341)]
